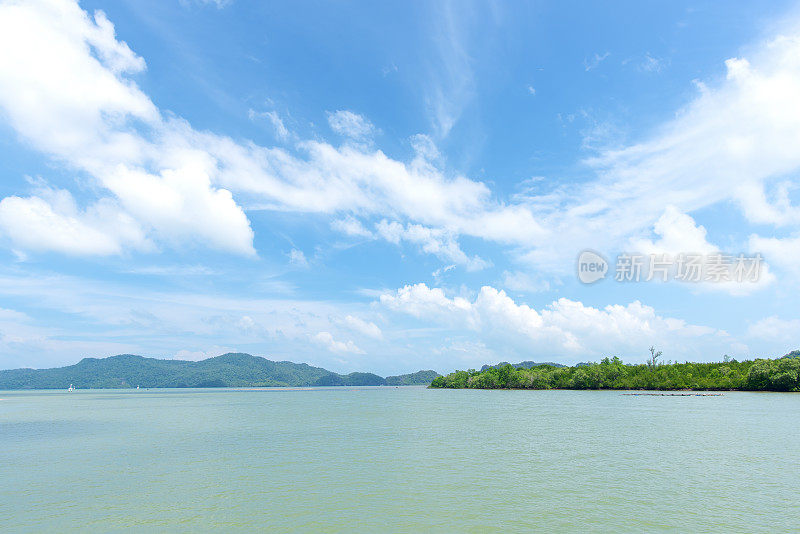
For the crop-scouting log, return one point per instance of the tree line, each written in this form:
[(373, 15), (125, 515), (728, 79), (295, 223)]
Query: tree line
[(781, 374)]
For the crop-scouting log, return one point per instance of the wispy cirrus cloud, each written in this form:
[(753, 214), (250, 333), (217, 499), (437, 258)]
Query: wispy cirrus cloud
[(275, 120), (591, 63), (350, 124)]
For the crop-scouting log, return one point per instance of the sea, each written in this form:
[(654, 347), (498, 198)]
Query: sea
[(397, 459)]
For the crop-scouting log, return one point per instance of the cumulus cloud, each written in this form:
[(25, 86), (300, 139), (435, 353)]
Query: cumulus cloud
[(564, 328), (679, 235), (181, 206), (52, 220), (64, 87), (677, 232), (419, 300)]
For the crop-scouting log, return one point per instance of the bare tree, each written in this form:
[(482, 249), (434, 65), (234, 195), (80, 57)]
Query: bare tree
[(654, 356)]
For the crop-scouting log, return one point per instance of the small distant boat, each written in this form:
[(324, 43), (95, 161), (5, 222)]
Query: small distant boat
[(137, 387), (71, 388)]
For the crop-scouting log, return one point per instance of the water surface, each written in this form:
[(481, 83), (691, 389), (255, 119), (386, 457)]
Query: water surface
[(397, 459)]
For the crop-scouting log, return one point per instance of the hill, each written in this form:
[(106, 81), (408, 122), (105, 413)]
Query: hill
[(521, 365), (228, 370), (413, 379)]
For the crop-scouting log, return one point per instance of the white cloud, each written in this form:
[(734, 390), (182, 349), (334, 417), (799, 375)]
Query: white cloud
[(13, 315), (441, 271), (350, 124), (783, 252), (651, 64), (281, 131), (367, 328), (218, 3), (450, 79), (777, 329), (298, 258), (594, 62), (732, 142), (419, 300), (63, 87), (426, 152), (769, 203), (172, 270), (52, 221), (71, 96), (435, 241), (351, 226), (468, 354), (181, 206), (565, 328), (122, 319), (677, 233), (326, 340), (24, 344), (728, 140)]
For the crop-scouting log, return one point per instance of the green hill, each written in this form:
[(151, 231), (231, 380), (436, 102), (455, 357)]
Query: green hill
[(228, 370), (412, 379), (521, 365)]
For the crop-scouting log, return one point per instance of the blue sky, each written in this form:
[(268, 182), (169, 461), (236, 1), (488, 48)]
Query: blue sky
[(366, 186)]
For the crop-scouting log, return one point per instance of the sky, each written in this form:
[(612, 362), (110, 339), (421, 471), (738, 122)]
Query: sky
[(389, 187)]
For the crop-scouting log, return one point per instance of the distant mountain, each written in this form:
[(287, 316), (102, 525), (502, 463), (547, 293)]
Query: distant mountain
[(521, 365), (793, 354), (228, 370), (413, 379)]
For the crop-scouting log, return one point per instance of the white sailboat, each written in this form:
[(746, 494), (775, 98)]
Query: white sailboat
[(71, 388)]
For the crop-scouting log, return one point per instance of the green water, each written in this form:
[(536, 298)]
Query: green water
[(398, 459)]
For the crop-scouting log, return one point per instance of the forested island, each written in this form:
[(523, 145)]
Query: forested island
[(781, 374), (227, 370)]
